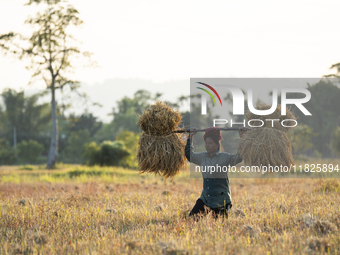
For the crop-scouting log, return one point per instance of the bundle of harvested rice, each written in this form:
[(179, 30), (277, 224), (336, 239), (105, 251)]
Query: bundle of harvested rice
[(159, 119), (276, 115), (160, 151), (267, 145)]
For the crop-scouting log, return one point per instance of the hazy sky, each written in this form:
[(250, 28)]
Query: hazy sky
[(163, 41)]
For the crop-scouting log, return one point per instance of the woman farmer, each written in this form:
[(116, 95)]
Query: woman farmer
[(216, 191)]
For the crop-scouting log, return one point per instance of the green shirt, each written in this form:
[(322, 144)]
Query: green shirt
[(216, 191)]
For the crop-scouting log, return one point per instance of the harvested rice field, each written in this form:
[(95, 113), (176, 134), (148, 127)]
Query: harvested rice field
[(84, 210)]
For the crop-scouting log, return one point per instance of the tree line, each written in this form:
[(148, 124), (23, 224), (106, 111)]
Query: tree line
[(25, 131), (25, 128)]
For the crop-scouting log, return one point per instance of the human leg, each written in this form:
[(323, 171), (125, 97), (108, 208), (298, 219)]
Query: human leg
[(198, 208), (222, 211)]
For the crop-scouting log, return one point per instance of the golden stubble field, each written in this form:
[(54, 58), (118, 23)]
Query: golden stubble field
[(83, 210)]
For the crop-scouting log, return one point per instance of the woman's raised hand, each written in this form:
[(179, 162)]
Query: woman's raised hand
[(192, 132), (242, 132)]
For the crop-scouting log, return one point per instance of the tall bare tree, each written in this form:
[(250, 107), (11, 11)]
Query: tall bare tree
[(51, 50), (337, 68)]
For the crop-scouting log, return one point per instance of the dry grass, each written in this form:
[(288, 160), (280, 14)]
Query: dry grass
[(146, 216)]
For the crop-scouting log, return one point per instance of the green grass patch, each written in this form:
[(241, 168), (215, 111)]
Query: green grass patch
[(78, 173), (27, 167)]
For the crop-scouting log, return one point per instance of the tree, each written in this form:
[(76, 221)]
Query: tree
[(2, 120), (29, 151), (7, 155), (24, 113), (74, 150), (335, 142), (125, 115), (301, 138), (337, 68), (86, 121), (50, 49), (324, 106), (14, 103), (24, 118)]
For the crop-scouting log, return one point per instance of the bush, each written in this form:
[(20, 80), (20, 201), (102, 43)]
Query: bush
[(30, 151), (75, 148), (335, 142), (130, 139), (91, 153), (27, 167), (107, 154), (7, 154), (301, 138)]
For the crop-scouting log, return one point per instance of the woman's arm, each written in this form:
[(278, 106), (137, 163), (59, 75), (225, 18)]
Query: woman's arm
[(233, 160), (191, 155), (187, 150)]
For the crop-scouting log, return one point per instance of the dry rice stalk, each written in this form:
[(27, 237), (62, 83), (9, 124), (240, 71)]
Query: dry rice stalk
[(159, 119), (267, 145), (160, 151), (275, 115)]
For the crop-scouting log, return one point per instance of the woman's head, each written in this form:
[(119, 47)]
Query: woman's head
[(212, 138)]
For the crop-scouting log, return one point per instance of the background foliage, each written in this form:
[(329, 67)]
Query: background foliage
[(83, 139)]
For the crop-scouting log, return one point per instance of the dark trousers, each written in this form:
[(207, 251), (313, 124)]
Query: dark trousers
[(199, 209)]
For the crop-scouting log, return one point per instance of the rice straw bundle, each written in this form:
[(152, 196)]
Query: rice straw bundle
[(160, 151), (275, 115), (267, 145)]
